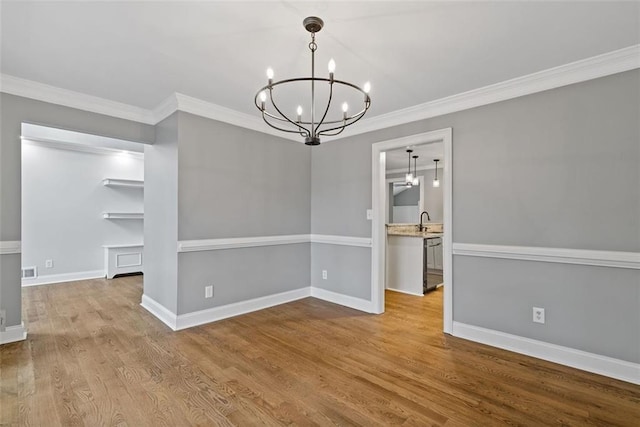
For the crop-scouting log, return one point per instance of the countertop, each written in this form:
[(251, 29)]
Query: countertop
[(431, 230)]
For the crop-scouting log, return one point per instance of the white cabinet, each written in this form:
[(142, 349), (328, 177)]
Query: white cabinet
[(122, 259), (404, 264)]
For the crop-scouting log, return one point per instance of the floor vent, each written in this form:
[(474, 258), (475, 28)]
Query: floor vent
[(29, 273)]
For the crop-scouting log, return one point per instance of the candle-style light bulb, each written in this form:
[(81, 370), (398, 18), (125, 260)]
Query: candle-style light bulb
[(367, 87), (263, 98), (332, 65), (345, 108), (299, 111), (270, 75)]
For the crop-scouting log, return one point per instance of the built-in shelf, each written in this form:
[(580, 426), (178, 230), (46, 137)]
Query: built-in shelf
[(122, 215), (111, 182)]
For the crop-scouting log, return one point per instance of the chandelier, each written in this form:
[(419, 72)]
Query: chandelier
[(310, 128)]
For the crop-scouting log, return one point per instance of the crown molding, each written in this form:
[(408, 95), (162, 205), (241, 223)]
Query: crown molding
[(165, 108), (598, 66), (212, 111), (609, 63), (68, 98)]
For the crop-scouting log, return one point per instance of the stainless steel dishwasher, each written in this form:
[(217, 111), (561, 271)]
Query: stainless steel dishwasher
[(429, 244)]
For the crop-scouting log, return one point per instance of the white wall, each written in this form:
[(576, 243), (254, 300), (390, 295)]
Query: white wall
[(62, 204)]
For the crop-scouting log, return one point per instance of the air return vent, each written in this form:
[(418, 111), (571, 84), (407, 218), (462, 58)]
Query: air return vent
[(29, 272)]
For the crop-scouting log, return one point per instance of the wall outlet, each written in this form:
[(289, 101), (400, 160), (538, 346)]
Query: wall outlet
[(324, 274), (48, 263), (369, 213), (538, 315), (208, 291), (3, 320)]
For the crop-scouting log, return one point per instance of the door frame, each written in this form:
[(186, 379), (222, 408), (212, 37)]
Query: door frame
[(378, 228)]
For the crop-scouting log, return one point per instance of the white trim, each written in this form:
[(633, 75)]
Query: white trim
[(590, 362), (165, 108), (183, 321), (64, 277), (595, 67), (8, 247), (13, 334), (213, 111), (114, 182), (378, 230), (73, 146), (256, 241), (341, 299), (68, 98), (558, 255), (404, 170), (123, 246), (165, 315), (405, 292), (123, 215), (364, 242), (240, 242), (235, 309)]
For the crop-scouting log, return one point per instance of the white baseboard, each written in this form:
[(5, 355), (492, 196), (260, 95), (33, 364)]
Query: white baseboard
[(189, 320), (404, 292), (65, 277), (590, 362), (13, 334), (235, 309), (167, 317), (341, 299)]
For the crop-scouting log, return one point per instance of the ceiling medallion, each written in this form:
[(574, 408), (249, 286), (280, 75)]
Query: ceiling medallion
[(310, 128)]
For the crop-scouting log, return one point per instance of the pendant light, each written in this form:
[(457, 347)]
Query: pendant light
[(436, 181), (416, 181), (408, 178)]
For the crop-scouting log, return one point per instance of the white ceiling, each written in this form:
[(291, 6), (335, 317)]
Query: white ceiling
[(139, 53)]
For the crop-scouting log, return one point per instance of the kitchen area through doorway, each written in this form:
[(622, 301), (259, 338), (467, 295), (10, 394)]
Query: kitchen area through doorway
[(414, 219)]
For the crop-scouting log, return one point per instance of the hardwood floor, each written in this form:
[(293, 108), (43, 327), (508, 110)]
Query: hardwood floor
[(95, 357)]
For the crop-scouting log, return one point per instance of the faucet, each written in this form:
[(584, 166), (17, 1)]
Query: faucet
[(422, 227)]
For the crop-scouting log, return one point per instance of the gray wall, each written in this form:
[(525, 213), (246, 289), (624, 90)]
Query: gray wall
[(234, 182), (525, 172), (62, 204), (340, 197), (13, 111), (161, 215), (409, 197)]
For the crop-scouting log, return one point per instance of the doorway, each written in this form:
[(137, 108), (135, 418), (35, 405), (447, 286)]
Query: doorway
[(379, 207)]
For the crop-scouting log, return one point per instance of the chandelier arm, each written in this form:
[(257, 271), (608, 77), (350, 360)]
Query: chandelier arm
[(300, 128), (323, 133), (282, 129), (356, 117), (273, 117), (326, 109)]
